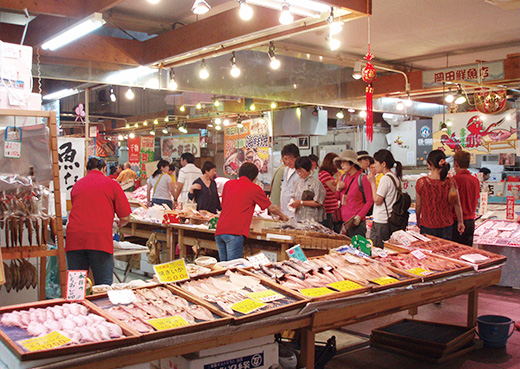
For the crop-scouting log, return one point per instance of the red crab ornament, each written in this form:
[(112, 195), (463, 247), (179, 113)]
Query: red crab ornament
[(369, 74)]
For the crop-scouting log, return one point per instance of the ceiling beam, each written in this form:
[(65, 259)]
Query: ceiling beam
[(44, 27), (100, 6), (59, 8), (361, 6)]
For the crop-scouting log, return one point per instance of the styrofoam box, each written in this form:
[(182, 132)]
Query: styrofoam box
[(27, 101), (260, 357), (20, 54)]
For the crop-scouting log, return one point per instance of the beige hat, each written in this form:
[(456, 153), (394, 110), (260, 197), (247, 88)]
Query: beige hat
[(348, 155)]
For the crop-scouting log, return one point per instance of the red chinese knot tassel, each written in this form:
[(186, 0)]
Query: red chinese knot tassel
[(370, 115)]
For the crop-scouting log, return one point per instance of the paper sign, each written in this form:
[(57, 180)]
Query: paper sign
[(174, 271), (47, 342), (296, 252), (265, 296), (344, 286), (247, 306), (483, 203), (419, 271), (168, 323), (361, 243), (117, 297), (13, 149), (76, 285), (510, 209), (316, 292), (384, 281), (258, 259), (418, 254)]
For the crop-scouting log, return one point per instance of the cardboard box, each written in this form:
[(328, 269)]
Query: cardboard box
[(260, 357)]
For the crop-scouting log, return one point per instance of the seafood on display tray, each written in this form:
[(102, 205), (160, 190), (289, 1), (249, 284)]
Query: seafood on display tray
[(323, 270), (154, 303), (498, 232), (457, 251), (225, 290), (304, 228), (71, 320), (427, 262), (138, 195)]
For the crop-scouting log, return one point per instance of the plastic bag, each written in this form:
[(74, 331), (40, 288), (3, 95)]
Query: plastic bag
[(52, 282)]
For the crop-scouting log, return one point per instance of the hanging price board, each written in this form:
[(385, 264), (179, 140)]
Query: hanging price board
[(316, 292), (174, 271), (384, 281), (344, 286), (47, 342), (247, 306), (13, 143), (265, 296), (170, 322)]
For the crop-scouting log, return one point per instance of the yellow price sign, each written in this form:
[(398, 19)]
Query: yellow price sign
[(384, 280), (174, 271), (344, 286), (168, 323), (316, 292), (419, 271), (265, 296), (247, 306), (47, 342)]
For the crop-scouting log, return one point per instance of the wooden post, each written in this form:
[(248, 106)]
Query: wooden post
[(472, 308), (307, 347), (182, 248)]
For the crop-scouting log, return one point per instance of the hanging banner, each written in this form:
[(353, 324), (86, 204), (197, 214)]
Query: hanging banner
[(488, 71), (134, 149), (174, 146), (147, 152), (249, 143), (510, 208), (477, 133), (71, 155), (105, 148)]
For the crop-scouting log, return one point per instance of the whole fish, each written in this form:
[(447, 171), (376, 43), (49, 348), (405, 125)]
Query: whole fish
[(298, 265), (293, 271), (8, 277), (20, 230), (500, 134), (271, 273)]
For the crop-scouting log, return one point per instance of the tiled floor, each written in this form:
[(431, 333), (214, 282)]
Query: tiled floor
[(493, 300)]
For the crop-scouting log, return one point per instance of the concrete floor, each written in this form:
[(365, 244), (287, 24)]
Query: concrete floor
[(493, 300)]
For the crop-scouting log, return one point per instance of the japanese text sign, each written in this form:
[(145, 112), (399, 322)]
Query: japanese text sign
[(47, 342), (169, 322), (174, 146), (174, 271), (71, 156), (510, 208), (76, 285)]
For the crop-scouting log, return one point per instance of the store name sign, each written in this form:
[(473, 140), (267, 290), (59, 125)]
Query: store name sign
[(470, 73)]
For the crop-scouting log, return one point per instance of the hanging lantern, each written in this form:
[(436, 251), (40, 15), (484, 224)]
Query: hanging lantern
[(369, 72), (490, 102)]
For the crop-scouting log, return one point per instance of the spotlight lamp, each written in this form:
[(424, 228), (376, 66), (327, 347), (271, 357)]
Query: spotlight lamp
[(130, 94), (152, 133), (172, 85), (286, 17), (408, 102), (274, 105), (235, 70), (225, 122), (275, 63), (334, 44), (200, 7), (136, 125), (340, 114), (182, 108), (113, 96), (351, 110), (461, 99), (399, 106), (127, 125), (252, 107), (239, 122), (156, 121), (218, 128), (216, 103), (120, 138), (198, 106), (334, 27), (131, 135), (363, 113), (449, 97), (203, 73), (245, 11), (356, 73), (145, 123), (166, 119), (218, 121), (165, 130)]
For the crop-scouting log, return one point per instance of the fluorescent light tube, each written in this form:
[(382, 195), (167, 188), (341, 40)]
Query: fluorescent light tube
[(60, 94), (74, 32)]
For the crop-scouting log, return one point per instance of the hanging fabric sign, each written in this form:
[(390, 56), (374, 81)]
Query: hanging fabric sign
[(13, 143), (173, 147), (147, 152), (71, 156), (134, 148)]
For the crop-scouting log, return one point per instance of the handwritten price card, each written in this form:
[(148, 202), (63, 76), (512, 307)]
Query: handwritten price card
[(384, 281), (265, 296), (76, 285), (174, 271), (316, 292), (247, 306), (419, 271), (47, 342), (170, 322), (344, 286)]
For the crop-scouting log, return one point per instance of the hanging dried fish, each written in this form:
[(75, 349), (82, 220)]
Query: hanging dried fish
[(29, 229), (54, 228), (14, 232), (45, 231), (7, 224), (20, 231), (8, 277), (16, 274), (37, 230), (34, 281)]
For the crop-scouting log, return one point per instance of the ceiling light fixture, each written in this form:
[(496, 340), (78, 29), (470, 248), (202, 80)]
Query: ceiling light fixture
[(334, 44), (200, 7), (130, 94), (154, 1), (120, 138), (449, 97), (239, 122), (245, 12), (286, 17), (356, 73), (60, 94), (136, 125), (165, 130), (252, 107), (74, 32), (152, 133), (218, 121), (235, 70), (275, 63), (198, 106), (363, 113), (131, 135), (172, 85), (127, 125), (183, 128), (334, 27), (399, 106), (203, 73), (145, 123), (340, 114), (273, 105), (218, 128), (351, 110), (216, 103), (304, 8), (461, 99), (113, 96), (166, 119), (408, 102), (182, 108), (156, 121)]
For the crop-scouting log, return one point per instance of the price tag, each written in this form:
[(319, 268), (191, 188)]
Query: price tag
[(384, 281), (296, 252), (170, 322), (174, 271), (316, 292), (344, 286), (247, 306), (76, 285), (259, 259), (265, 296), (361, 243), (47, 342), (419, 271), (418, 254)]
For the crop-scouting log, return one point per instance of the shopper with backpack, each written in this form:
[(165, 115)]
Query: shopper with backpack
[(354, 194), (385, 196)]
